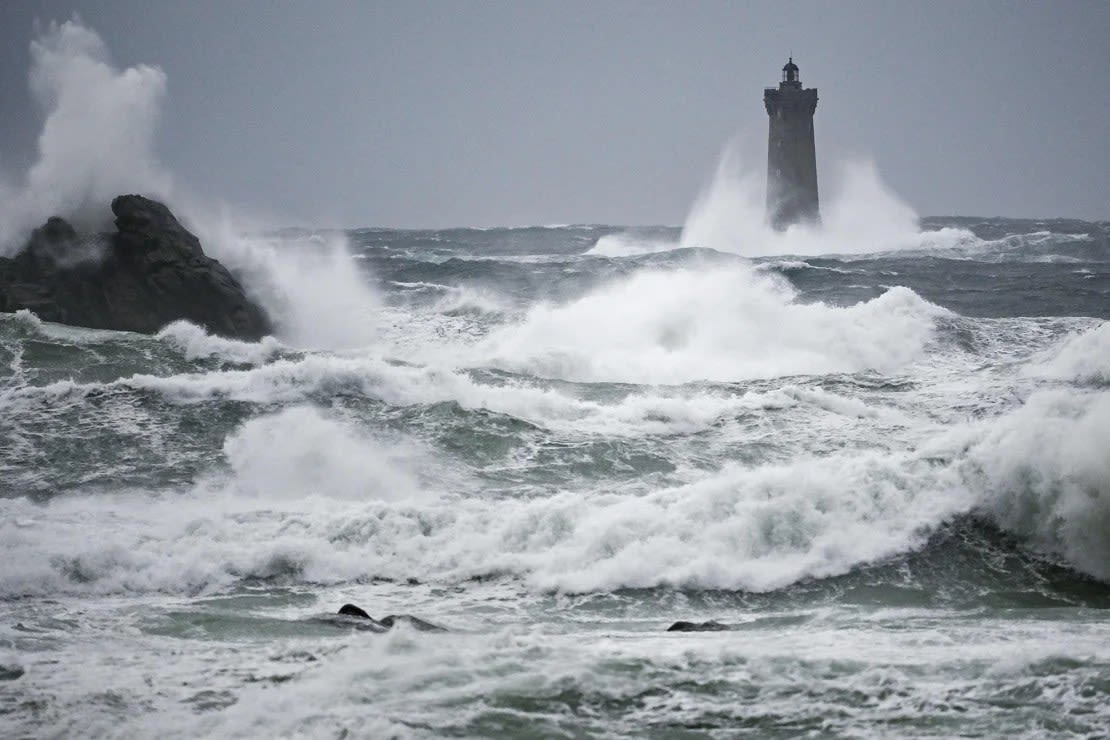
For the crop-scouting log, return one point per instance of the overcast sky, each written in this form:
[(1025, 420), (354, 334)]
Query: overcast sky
[(485, 113)]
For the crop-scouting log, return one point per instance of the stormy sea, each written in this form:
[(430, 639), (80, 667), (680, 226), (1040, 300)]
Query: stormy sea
[(881, 459), (875, 453)]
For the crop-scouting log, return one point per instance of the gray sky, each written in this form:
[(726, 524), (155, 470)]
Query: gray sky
[(482, 113)]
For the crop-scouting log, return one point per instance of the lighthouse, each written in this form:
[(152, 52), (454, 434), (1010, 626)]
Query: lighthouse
[(791, 156)]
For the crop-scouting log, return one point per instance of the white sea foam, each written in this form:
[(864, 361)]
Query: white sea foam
[(1083, 357), (465, 299), (859, 672), (299, 452), (196, 343), (628, 245), (1043, 473), (716, 323), (421, 285), (648, 411), (290, 473), (26, 321), (860, 215), (309, 496), (754, 529)]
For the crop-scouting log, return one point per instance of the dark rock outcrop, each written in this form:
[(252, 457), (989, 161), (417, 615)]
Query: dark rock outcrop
[(350, 610), (416, 623), (151, 272), (10, 671), (709, 626)]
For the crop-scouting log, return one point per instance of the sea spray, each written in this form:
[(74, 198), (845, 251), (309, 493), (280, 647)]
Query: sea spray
[(1083, 357), (315, 293), (300, 452), (861, 215), (709, 323), (97, 139)]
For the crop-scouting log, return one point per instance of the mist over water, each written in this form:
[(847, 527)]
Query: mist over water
[(859, 215), (97, 139), (875, 448), (309, 284), (713, 321)]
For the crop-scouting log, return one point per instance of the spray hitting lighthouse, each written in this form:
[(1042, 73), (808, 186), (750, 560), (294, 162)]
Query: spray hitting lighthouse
[(791, 156)]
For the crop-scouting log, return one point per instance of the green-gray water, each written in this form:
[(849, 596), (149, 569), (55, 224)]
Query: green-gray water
[(888, 472)]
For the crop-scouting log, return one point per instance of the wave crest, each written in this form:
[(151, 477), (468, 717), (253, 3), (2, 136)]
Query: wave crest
[(1043, 474), (721, 323)]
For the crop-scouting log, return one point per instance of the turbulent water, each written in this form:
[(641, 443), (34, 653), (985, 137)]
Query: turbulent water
[(889, 471)]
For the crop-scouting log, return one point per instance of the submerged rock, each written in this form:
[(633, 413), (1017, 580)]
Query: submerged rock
[(350, 610), (151, 272), (710, 626), (10, 671), (415, 622)]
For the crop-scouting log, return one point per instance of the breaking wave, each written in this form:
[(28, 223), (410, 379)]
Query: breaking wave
[(862, 216), (309, 497), (98, 141), (720, 323)]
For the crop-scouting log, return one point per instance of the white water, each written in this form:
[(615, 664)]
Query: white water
[(98, 141), (1081, 358), (307, 492), (860, 215), (710, 323), (739, 527), (772, 482), (1043, 474), (310, 286)]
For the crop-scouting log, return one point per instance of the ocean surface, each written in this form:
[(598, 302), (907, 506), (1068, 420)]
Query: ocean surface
[(888, 471)]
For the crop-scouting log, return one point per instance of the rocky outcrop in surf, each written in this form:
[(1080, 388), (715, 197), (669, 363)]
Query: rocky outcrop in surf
[(151, 272), (386, 623), (710, 626)]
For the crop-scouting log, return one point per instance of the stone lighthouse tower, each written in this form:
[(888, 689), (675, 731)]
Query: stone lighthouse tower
[(791, 157)]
